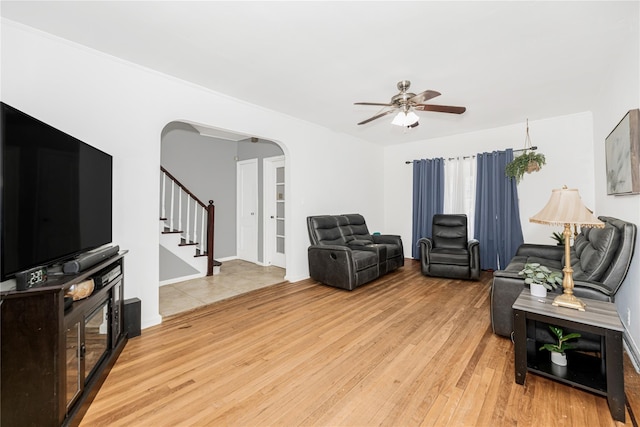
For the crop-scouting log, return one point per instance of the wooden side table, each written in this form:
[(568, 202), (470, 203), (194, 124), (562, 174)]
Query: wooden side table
[(601, 376)]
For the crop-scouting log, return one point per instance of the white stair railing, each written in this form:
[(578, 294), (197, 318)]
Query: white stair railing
[(192, 219)]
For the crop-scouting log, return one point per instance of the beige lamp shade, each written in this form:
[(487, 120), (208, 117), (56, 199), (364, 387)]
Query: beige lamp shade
[(565, 207)]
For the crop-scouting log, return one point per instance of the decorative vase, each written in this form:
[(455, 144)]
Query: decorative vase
[(559, 371), (559, 359), (538, 290)]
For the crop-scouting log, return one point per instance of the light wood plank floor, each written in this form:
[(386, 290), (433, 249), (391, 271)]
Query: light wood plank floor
[(404, 350)]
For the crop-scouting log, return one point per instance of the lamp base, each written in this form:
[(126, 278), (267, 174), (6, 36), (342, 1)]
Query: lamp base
[(569, 301)]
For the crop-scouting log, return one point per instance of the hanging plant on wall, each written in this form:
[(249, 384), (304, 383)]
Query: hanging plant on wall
[(527, 162)]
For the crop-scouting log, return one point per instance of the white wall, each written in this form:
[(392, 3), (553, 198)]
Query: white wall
[(620, 92), (565, 141), (122, 108)]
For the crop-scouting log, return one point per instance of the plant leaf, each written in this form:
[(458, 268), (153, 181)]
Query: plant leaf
[(571, 336), (556, 331), (549, 347)]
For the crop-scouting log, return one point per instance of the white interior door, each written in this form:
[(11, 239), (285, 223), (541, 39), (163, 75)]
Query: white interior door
[(274, 202), (247, 230)]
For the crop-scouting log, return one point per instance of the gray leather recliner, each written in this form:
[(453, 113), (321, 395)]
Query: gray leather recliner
[(448, 253)]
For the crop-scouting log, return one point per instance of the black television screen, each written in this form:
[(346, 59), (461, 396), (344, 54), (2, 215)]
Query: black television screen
[(55, 194)]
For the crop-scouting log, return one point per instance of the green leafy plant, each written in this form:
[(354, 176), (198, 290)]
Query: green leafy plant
[(527, 162), (562, 344), (558, 237), (535, 273)]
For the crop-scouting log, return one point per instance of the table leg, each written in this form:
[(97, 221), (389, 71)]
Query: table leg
[(615, 374), (520, 345)]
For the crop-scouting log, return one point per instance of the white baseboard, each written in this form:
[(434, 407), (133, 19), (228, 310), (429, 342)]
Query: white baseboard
[(153, 321), (181, 279), (632, 350), (229, 258), (294, 279)]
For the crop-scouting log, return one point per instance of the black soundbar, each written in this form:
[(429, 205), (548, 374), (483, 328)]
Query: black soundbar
[(88, 260)]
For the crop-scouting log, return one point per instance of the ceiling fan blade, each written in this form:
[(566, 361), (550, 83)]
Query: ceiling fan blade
[(370, 119), (373, 103), (440, 108), (424, 96)]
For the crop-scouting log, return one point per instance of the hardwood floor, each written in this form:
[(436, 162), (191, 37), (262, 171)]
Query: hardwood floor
[(401, 351)]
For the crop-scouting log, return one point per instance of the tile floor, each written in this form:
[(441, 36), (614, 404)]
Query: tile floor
[(236, 277)]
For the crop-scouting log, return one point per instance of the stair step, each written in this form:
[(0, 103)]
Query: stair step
[(185, 243), (167, 230), (200, 254)]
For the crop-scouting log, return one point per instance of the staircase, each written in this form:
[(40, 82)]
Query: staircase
[(187, 225)]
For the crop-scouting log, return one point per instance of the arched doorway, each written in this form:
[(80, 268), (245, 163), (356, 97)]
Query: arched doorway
[(206, 161)]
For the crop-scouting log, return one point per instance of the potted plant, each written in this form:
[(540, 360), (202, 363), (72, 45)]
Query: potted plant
[(540, 278), (558, 355), (528, 162), (558, 237)]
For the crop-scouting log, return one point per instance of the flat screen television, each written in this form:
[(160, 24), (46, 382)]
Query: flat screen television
[(55, 194)]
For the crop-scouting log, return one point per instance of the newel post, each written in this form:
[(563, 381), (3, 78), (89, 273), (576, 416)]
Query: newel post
[(211, 213)]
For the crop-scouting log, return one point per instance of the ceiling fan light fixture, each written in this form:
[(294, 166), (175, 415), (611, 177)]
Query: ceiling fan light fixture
[(405, 119), (406, 102), (412, 118)]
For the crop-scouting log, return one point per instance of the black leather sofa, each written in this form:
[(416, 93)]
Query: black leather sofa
[(345, 255), (600, 258)]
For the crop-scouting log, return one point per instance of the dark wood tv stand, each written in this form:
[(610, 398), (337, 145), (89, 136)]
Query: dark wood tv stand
[(54, 361)]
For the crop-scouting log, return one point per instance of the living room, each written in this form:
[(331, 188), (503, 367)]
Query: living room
[(121, 107)]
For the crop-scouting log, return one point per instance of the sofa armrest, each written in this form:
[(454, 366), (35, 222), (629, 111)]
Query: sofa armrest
[(593, 290), (505, 289), (507, 274), (426, 245), (387, 238), (427, 242), (474, 258), (541, 251), (339, 248)]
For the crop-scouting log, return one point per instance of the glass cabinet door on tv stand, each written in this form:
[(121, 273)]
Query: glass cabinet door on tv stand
[(73, 369)]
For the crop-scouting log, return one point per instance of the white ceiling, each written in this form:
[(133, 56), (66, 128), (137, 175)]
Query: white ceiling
[(505, 61)]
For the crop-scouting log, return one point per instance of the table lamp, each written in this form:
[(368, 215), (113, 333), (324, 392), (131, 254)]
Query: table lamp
[(565, 208)]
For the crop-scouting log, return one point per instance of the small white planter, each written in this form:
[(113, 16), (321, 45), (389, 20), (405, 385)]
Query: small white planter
[(559, 359), (538, 290)]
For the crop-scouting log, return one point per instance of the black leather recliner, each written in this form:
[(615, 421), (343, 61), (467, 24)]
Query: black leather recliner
[(345, 255), (449, 253)]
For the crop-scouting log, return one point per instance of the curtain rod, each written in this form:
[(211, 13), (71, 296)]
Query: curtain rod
[(408, 162)]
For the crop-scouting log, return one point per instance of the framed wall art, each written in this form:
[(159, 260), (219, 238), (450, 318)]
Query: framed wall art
[(622, 148)]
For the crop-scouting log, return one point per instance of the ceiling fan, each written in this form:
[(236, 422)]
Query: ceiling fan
[(405, 102)]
